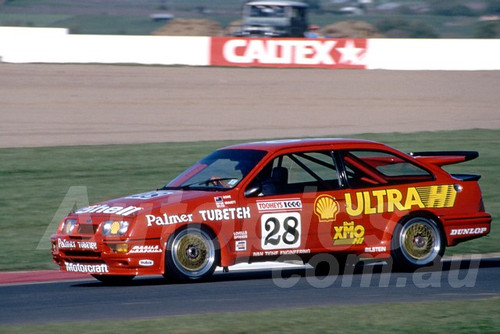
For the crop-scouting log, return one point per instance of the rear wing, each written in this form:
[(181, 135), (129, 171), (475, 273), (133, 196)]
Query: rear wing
[(442, 158)]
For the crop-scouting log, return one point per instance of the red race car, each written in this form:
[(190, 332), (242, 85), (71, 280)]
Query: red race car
[(272, 200)]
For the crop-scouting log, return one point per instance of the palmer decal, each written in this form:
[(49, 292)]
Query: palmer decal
[(390, 200)]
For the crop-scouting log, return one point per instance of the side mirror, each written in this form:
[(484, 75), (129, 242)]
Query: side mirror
[(253, 190)]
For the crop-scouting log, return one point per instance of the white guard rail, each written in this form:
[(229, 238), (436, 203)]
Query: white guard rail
[(56, 45)]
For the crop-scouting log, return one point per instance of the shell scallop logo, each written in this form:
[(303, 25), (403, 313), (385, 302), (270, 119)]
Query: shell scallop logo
[(326, 208)]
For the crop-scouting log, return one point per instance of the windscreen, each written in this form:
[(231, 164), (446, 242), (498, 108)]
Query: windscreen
[(267, 11), (223, 169)]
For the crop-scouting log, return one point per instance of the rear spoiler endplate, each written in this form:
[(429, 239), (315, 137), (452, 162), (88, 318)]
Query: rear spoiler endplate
[(442, 158)]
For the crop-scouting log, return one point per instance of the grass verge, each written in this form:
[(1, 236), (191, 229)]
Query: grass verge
[(35, 181), (476, 316)]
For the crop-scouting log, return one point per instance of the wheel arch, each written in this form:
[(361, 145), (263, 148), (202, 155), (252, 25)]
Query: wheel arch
[(431, 216), (407, 256), (398, 220), (225, 256)]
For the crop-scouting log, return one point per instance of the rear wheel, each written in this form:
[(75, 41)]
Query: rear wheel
[(191, 254), (417, 242)]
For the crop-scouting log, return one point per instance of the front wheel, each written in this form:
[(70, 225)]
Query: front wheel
[(417, 242), (191, 254)]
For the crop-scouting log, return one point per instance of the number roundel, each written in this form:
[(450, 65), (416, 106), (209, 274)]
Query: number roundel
[(281, 230)]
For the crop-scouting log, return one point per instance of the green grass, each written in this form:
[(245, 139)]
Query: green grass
[(476, 316), (32, 20), (35, 181), (132, 17), (85, 24), (109, 24)]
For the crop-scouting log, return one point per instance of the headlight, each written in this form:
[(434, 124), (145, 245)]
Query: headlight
[(68, 226), (114, 227)]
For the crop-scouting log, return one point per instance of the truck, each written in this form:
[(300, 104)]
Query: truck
[(273, 19)]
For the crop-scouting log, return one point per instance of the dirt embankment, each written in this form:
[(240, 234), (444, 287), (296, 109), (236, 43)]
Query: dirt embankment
[(47, 105)]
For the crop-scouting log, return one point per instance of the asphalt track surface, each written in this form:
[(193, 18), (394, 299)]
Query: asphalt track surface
[(238, 291)]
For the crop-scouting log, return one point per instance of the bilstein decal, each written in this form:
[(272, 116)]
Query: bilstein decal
[(390, 200)]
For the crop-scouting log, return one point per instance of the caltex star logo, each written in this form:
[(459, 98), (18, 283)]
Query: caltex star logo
[(351, 54)]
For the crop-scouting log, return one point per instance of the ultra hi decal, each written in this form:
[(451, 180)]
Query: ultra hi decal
[(390, 200)]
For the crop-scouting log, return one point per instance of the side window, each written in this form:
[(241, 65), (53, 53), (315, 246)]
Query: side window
[(298, 173), (371, 168), (312, 168)]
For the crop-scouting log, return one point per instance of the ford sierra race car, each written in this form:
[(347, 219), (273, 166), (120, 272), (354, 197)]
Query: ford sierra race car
[(271, 200)]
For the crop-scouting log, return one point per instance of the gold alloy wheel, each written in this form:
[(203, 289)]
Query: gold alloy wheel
[(420, 241), (193, 253)]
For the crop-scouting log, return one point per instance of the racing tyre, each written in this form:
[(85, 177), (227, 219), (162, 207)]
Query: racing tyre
[(113, 279), (192, 254), (417, 242)]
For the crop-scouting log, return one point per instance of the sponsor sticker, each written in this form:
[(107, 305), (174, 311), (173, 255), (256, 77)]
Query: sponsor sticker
[(167, 219), (326, 208), (348, 234), (225, 214), (219, 202), (145, 249), (146, 263), (390, 200), (279, 205), (331, 53), (240, 245), (468, 231), (222, 201), (87, 245), (282, 252), (86, 268), (295, 251), (375, 249), (104, 208), (240, 235), (62, 244), (70, 244)]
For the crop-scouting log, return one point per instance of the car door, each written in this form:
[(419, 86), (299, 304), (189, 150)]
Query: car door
[(298, 201)]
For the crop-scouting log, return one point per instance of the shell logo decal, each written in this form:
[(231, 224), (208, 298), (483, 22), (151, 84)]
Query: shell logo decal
[(326, 208)]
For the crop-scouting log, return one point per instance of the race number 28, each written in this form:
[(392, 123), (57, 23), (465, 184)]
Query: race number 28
[(280, 230)]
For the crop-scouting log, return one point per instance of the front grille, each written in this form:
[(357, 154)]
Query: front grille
[(87, 229), (76, 255)]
